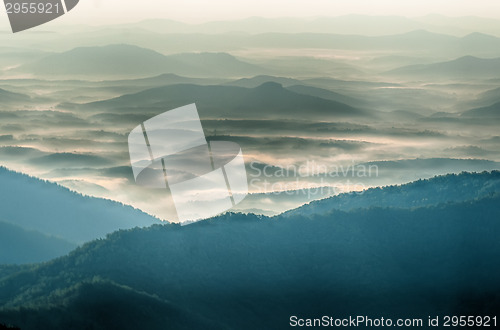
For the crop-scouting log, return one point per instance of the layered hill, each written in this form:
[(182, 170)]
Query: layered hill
[(269, 99), (131, 61), (449, 188), (491, 112), (246, 272), (21, 246), (49, 209), (467, 67)]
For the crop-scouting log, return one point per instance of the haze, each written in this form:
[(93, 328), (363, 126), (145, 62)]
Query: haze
[(199, 11)]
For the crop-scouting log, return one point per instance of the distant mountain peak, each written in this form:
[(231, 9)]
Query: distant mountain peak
[(468, 58), (476, 35), (114, 47), (421, 33), (473, 60), (270, 85), (125, 61), (465, 66)]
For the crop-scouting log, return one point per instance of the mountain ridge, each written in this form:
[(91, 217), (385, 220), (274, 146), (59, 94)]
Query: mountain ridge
[(123, 60), (462, 67), (369, 260), (449, 188), (21, 246), (492, 111), (57, 211), (214, 100)]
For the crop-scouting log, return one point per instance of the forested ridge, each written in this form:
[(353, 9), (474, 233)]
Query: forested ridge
[(239, 271)]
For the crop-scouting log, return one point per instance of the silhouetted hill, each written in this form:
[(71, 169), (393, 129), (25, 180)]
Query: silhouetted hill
[(327, 94), (107, 60), (53, 210), (161, 80), (19, 246), (213, 65), (416, 40), (250, 272), (490, 97), (8, 327), (262, 79), (466, 67), (422, 193), (328, 82), (419, 40), (9, 98), (492, 111), (348, 24), (269, 98), (352, 24), (105, 305), (464, 23), (478, 40), (132, 61)]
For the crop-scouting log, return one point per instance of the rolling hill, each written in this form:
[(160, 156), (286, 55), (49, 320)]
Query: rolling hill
[(492, 111), (467, 67), (484, 99), (299, 87), (246, 272), (349, 24), (50, 209), (21, 246), (160, 80), (419, 40), (422, 193), (262, 79), (132, 61), (8, 99), (144, 311), (328, 95), (491, 96), (179, 38), (269, 98)]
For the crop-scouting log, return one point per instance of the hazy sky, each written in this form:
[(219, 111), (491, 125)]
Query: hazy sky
[(196, 11)]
